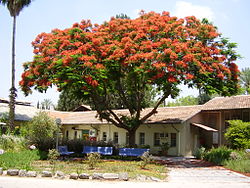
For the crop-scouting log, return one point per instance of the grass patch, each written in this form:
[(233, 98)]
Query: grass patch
[(18, 160), (239, 165), (104, 166)]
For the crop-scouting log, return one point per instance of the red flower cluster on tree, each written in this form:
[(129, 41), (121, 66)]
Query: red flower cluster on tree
[(153, 48)]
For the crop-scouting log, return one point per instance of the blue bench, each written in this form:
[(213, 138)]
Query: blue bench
[(132, 151), (63, 150), (95, 149), (105, 150)]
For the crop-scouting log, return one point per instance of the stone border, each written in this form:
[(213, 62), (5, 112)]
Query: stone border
[(74, 176)]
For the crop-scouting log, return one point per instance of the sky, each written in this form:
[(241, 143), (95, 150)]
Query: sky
[(230, 16)]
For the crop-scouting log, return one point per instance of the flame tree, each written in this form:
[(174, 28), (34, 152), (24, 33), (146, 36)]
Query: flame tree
[(127, 57)]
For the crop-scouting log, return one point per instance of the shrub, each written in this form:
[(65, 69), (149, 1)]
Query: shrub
[(238, 134), (146, 158), (218, 155), (19, 160), (12, 143), (41, 131), (43, 155), (200, 153), (76, 145), (93, 159)]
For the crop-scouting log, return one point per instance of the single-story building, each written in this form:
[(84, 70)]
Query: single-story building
[(185, 128)]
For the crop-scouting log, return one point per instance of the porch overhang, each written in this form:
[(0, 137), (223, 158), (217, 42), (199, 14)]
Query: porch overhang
[(205, 127)]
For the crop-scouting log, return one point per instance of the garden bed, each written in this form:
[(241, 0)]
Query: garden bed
[(104, 166)]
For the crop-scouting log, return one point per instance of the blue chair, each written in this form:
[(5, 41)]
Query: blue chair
[(132, 151), (95, 149), (90, 149), (63, 150)]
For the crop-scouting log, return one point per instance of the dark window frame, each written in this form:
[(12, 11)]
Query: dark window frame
[(75, 135), (141, 138), (116, 137), (157, 140), (127, 138), (104, 136), (173, 139), (67, 134)]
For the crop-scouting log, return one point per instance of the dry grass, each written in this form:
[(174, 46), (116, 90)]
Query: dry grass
[(104, 166)]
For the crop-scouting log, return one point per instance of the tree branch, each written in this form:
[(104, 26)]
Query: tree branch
[(123, 96), (153, 111), (104, 114), (117, 118)]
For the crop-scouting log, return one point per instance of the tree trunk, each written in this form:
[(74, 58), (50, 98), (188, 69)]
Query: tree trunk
[(12, 89), (131, 134)]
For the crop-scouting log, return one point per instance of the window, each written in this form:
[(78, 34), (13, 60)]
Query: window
[(104, 136), (127, 138), (157, 139), (75, 136), (115, 138), (142, 139), (67, 134), (173, 140)]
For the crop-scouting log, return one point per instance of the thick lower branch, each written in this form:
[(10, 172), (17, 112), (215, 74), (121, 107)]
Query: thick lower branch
[(105, 113), (154, 110), (116, 117)]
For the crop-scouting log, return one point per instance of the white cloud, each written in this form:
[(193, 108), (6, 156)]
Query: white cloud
[(184, 9)]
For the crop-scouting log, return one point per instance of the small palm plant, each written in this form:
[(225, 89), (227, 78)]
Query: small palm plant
[(146, 159), (53, 156), (93, 159)]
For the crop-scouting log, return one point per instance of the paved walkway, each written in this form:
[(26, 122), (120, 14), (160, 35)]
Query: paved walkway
[(189, 170), (206, 175)]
